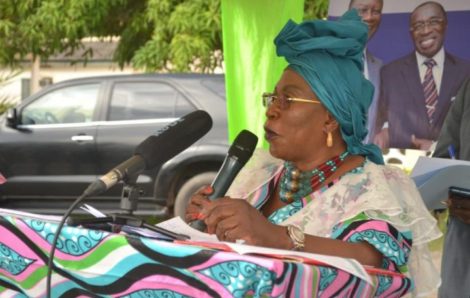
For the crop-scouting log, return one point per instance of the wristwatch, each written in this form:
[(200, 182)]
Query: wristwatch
[(297, 236)]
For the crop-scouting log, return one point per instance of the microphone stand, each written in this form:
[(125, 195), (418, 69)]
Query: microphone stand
[(114, 222), (130, 195)]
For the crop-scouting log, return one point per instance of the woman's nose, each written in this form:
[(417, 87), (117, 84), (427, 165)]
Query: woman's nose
[(272, 111)]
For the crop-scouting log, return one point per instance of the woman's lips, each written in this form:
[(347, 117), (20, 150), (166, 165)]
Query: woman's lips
[(269, 134)]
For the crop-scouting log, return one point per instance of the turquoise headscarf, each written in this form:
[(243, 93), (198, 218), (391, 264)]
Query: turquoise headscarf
[(328, 55)]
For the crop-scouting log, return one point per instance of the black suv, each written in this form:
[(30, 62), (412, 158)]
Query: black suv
[(58, 141)]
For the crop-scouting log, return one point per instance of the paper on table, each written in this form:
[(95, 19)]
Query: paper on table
[(92, 210), (177, 225), (434, 176)]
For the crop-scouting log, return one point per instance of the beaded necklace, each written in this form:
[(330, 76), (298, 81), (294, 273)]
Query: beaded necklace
[(296, 184)]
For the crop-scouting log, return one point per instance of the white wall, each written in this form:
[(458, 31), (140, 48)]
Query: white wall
[(60, 73)]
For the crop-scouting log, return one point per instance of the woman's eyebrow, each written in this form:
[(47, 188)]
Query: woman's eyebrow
[(292, 88), (288, 88)]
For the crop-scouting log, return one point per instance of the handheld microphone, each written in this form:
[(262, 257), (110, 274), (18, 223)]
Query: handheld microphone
[(238, 154), (156, 149)]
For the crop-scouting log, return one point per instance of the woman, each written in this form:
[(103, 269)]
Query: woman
[(321, 190)]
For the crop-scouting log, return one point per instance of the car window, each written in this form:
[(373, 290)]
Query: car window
[(216, 85), (74, 104), (145, 100)]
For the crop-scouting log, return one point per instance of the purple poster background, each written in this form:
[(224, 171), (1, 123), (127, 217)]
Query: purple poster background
[(392, 40)]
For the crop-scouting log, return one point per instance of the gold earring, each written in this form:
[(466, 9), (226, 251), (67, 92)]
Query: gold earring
[(329, 139)]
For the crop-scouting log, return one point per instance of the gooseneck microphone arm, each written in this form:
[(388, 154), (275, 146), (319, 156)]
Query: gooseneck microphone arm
[(238, 154), (131, 167)]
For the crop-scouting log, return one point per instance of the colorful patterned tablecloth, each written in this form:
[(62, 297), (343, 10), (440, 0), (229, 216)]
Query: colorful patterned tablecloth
[(93, 263)]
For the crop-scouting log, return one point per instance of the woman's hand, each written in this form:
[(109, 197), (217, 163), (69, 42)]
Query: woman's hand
[(234, 219), (197, 203), (460, 208)]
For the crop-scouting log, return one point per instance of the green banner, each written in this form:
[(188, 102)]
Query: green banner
[(251, 64)]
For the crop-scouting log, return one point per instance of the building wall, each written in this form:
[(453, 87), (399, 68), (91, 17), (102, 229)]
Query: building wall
[(54, 73)]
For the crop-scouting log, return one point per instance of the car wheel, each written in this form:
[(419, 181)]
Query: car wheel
[(189, 188)]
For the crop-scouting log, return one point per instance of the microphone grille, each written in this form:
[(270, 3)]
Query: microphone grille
[(243, 146)]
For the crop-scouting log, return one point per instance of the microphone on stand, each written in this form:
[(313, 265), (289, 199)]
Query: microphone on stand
[(238, 154), (156, 149)]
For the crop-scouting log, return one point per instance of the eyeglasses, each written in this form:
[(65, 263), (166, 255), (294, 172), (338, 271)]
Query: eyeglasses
[(432, 23), (283, 101), (363, 11)]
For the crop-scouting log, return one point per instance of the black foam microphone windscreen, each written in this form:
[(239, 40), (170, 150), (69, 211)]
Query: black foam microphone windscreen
[(174, 138)]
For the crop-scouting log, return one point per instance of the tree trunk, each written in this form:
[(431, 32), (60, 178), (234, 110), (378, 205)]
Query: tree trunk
[(35, 67)]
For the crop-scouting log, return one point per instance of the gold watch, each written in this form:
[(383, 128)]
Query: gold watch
[(297, 236)]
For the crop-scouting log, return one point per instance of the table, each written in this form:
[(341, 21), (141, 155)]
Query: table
[(94, 263)]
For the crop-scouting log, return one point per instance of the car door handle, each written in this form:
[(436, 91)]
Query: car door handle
[(82, 138)]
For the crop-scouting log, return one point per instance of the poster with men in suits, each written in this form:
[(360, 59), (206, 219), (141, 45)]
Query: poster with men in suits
[(417, 58)]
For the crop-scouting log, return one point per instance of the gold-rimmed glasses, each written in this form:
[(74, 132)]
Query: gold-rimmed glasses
[(284, 101)]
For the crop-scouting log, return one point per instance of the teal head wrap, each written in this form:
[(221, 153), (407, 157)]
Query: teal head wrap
[(328, 55)]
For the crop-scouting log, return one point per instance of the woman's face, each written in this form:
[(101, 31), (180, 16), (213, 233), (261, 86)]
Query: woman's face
[(295, 131)]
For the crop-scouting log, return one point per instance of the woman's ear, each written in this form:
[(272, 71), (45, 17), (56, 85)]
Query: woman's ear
[(331, 124)]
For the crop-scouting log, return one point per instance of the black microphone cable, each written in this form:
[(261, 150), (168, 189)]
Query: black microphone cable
[(50, 262)]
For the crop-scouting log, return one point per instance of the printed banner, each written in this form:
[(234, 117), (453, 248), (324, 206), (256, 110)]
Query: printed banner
[(413, 94)]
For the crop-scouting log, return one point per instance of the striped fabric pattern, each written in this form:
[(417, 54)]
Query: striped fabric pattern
[(430, 90)]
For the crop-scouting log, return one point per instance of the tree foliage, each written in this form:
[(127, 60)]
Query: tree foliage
[(154, 35), (46, 27), (6, 100), (315, 9), (185, 33)]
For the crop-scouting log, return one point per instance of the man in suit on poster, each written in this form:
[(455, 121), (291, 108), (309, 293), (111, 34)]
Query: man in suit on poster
[(371, 13), (417, 90)]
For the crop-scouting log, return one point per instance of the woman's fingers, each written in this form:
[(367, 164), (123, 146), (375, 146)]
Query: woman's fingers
[(232, 220), (225, 228), (197, 203), (217, 211)]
